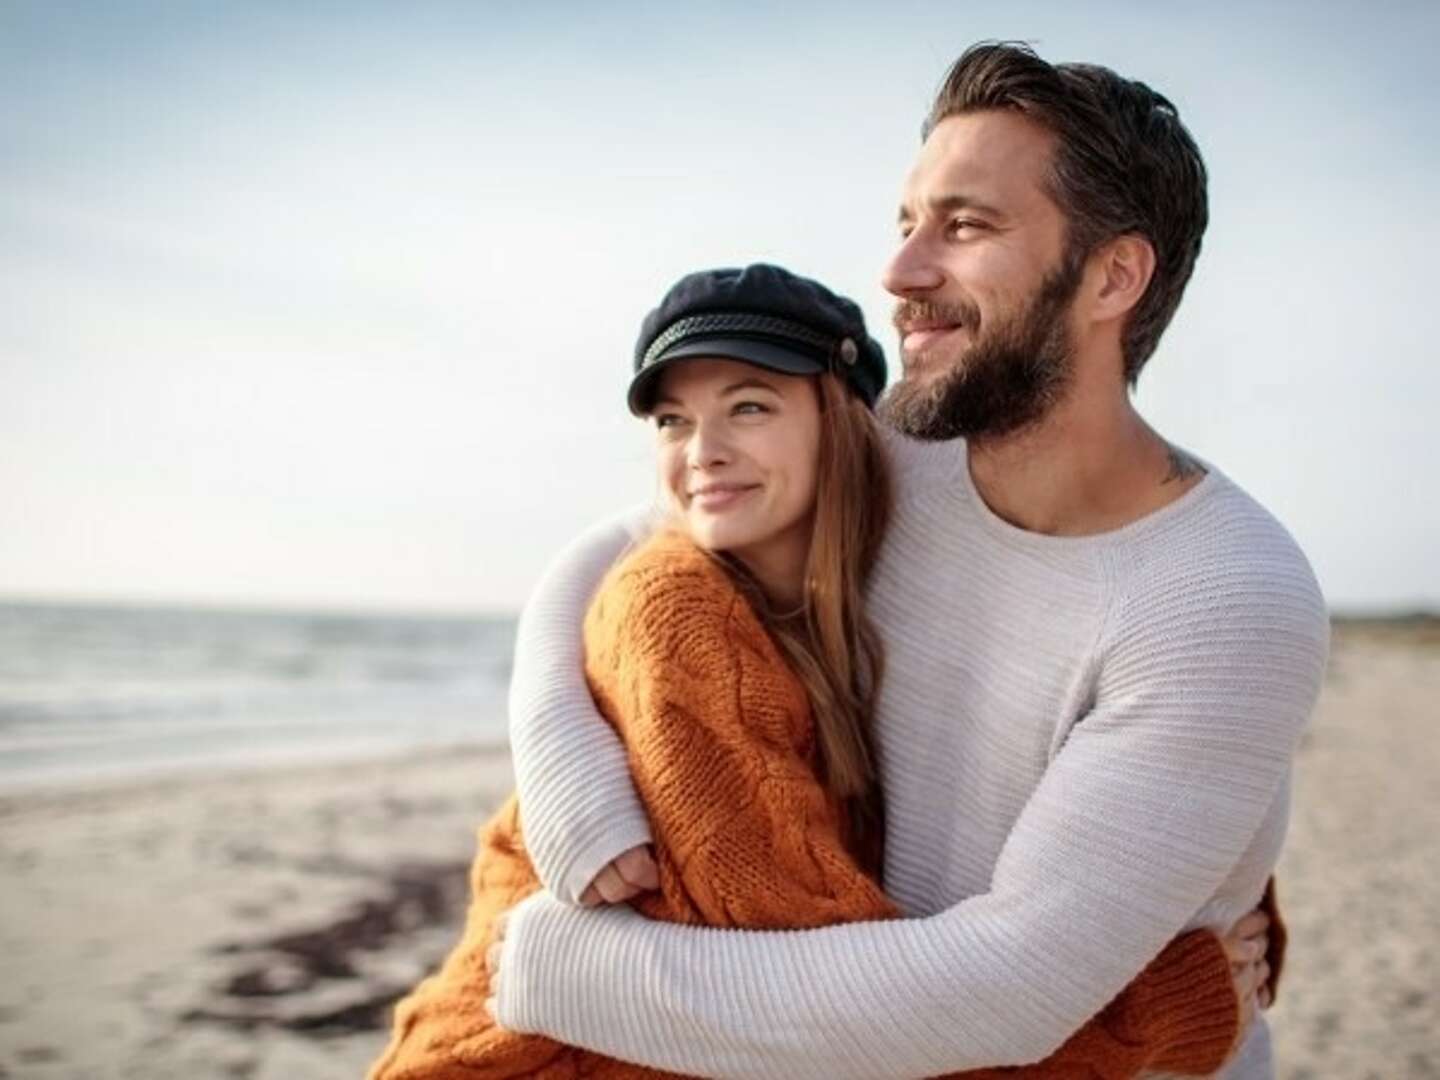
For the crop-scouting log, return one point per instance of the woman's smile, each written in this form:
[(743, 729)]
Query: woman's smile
[(719, 497)]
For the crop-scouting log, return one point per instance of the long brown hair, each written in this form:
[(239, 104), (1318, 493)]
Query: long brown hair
[(830, 643)]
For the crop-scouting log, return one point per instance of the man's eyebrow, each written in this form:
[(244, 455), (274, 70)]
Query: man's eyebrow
[(948, 204)]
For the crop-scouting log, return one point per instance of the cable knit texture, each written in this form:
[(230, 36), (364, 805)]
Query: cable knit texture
[(721, 746), (1085, 745)]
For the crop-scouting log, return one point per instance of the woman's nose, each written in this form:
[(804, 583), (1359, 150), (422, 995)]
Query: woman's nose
[(708, 447)]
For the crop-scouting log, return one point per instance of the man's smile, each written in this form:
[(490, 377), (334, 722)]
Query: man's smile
[(917, 338)]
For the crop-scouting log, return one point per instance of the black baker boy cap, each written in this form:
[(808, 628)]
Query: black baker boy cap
[(762, 315)]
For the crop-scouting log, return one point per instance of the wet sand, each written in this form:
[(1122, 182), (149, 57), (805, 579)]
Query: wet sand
[(259, 924)]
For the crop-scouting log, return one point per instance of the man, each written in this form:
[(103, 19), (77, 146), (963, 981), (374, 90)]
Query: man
[(1100, 652)]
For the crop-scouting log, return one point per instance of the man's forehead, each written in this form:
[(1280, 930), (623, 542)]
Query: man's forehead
[(996, 157)]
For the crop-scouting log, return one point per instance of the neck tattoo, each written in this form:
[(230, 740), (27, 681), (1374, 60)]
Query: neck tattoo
[(1182, 466)]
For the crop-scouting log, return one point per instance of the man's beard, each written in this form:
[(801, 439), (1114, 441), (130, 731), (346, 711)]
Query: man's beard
[(1006, 380)]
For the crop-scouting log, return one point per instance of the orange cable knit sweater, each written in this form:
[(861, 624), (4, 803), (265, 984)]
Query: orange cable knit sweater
[(721, 747)]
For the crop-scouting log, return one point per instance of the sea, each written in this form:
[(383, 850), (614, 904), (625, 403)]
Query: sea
[(93, 691)]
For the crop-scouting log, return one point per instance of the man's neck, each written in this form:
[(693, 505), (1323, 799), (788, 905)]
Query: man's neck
[(1091, 466)]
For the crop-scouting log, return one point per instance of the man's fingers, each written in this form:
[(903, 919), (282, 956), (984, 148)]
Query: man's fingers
[(628, 874), (638, 868), (612, 886)]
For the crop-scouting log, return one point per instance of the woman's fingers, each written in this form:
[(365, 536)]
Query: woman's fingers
[(1251, 927), (1246, 946), (1247, 980), (1246, 950), (1256, 922), (1247, 984)]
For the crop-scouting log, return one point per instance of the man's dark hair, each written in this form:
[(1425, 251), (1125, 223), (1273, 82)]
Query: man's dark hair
[(1124, 163)]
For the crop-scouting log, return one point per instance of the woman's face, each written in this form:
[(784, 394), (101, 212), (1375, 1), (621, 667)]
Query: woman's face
[(739, 451)]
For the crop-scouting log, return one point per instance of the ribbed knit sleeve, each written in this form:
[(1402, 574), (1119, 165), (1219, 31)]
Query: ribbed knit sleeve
[(1179, 1015), (1208, 670), (571, 771)]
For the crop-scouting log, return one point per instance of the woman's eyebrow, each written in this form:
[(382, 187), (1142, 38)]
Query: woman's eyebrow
[(743, 384), (750, 384)]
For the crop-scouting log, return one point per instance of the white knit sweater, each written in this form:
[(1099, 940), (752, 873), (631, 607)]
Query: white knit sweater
[(1086, 746)]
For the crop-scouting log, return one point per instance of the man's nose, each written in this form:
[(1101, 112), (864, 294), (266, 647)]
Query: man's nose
[(913, 270)]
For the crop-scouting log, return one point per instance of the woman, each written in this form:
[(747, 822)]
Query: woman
[(733, 655)]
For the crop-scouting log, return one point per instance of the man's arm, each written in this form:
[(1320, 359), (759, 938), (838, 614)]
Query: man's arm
[(579, 807), (1144, 811)]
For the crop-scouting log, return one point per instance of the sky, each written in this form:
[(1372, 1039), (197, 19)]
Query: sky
[(333, 305)]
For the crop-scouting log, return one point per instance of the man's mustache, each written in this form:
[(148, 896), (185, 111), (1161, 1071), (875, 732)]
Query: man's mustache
[(910, 314)]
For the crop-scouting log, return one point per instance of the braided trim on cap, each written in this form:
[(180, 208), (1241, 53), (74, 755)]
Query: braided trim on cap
[(737, 322)]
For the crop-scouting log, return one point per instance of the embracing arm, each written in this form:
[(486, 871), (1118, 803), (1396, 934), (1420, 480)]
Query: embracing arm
[(719, 737), (1139, 818), (580, 807)]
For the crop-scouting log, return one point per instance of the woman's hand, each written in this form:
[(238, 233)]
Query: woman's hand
[(1246, 943), (626, 876)]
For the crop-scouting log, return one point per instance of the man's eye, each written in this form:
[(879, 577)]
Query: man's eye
[(965, 225)]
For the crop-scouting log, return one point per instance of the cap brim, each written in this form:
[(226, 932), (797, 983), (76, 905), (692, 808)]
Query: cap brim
[(746, 350)]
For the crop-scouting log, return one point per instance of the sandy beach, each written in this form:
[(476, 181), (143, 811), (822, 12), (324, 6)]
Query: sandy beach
[(257, 924)]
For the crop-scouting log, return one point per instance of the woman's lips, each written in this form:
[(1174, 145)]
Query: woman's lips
[(721, 497)]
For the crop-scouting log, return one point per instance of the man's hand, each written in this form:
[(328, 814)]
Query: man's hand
[(626, 876), (492, 964)]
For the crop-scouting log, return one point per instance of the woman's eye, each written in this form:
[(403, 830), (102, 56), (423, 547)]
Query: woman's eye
[(667, 420), (750, 407)]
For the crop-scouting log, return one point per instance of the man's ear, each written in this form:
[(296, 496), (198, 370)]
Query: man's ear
[(1123, 269)]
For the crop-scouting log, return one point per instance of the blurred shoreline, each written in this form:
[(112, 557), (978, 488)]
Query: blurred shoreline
[(92, 689), (257, 922)]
